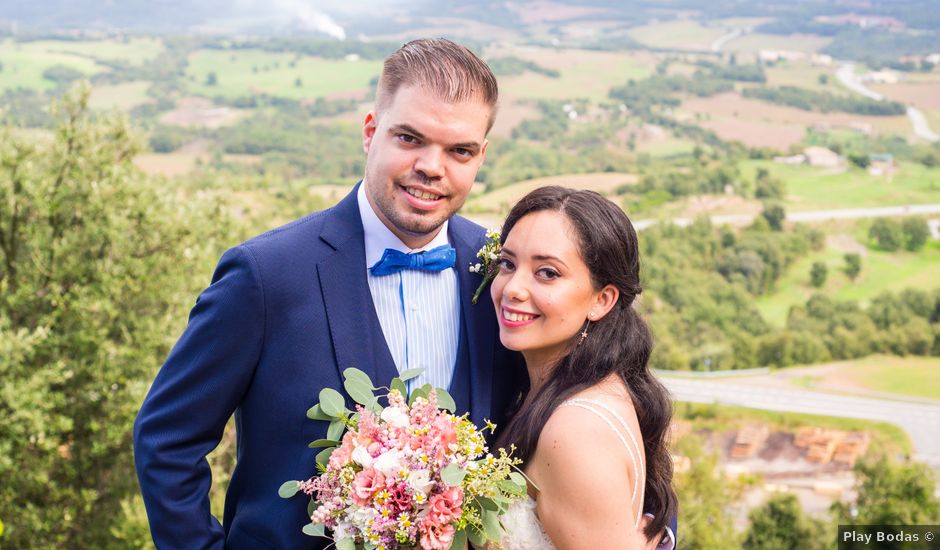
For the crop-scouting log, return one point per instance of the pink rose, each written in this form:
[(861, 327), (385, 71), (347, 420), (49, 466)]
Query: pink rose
[(343, 454), (366, 484), (437, 537), (445, 507)]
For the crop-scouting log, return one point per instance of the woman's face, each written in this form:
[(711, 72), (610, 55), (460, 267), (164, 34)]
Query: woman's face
[(543, 293)]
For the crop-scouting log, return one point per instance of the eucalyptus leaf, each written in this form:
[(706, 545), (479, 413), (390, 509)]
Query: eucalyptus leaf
[(323, 443), (316, 413), (346, 544), (518, 478), (312, 507), (314, 530), (368, 545), (460, 540), (445, 401), (399, 384), (488, 504), (332, 402), (491, 526), (323, 457), (511, 487), (288, 489), (356, 374), (420, 392), (409, 374), (477, 538), (360, 391), (453, 474), (335, 431)]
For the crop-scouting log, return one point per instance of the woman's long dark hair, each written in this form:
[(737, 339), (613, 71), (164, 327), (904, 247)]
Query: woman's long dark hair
[(619, 343)]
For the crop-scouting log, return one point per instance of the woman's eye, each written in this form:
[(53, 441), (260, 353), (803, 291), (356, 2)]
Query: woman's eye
[(548, 273), (505, 265)]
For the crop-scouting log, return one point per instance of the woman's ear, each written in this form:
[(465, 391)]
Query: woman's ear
[(604, 302)]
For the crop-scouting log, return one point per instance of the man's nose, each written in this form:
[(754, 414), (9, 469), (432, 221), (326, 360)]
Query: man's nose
[(430, 163)]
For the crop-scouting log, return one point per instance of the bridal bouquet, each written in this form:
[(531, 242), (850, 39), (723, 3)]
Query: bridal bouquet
[(407, 475)]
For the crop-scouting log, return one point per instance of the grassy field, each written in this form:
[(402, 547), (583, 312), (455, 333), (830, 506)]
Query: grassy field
[(679, 35), (584, 73), (910, 376), (124, 96), (881, 271), (753, 43), (812, 188), (23, 65), (886, 437), (249, 72), (135, 51), (803, 74)]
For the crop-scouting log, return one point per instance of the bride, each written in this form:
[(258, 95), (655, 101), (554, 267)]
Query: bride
[(591, 428)]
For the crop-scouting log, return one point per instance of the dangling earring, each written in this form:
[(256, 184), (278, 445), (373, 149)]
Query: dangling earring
[(584, 333)]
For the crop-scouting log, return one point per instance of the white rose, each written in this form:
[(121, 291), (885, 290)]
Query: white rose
[(362, 457), (395, 417), (419, 482), (389, 463)]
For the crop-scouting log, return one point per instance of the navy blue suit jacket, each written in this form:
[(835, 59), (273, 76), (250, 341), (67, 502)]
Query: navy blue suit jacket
[(285, 314)]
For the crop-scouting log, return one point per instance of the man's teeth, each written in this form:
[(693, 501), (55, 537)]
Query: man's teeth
[(422, 194), (511, 316)]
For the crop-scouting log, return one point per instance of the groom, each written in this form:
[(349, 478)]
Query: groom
[(379, 282)]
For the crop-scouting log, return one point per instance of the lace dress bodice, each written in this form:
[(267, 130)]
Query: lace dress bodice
[(524, 530)]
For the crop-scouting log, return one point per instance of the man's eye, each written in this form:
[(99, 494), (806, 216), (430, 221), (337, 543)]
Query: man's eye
[(460, 151), (407, 138)]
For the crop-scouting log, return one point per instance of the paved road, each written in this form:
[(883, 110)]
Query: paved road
[(920, 421), (846, 75), (728, 37), (815, 215)]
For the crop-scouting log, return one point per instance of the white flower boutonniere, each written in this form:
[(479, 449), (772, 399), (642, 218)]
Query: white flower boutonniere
[(488, 266)]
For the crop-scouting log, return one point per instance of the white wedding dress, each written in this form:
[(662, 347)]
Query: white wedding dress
[(524, 530)]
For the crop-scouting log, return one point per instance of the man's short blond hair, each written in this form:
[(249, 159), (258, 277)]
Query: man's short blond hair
[(449, 70)]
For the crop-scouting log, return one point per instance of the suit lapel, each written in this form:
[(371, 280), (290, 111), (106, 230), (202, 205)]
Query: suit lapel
[(354, 328), (477, 319)]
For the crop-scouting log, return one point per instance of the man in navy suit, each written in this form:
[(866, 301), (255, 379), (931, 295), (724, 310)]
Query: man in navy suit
[(379, 282)]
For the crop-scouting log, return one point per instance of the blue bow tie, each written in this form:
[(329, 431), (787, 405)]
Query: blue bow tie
[(436, 259)]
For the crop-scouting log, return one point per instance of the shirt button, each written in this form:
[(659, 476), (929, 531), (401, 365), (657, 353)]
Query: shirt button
[(414, 307)]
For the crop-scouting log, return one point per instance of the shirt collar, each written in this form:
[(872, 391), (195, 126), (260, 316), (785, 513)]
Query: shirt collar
[(378, 237)]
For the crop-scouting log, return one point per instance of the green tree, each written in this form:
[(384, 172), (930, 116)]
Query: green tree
[(853, 265), (705, 496), (212, 79), (891, 493), (775, 215), (915, 232), (818, 274), (780, 524), (887, 234), (89, 282)]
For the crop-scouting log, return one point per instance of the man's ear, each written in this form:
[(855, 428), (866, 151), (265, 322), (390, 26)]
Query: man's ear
[(483, 150), (368, 131)]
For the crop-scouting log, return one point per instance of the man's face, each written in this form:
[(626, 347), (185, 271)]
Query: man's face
[(422, 156)]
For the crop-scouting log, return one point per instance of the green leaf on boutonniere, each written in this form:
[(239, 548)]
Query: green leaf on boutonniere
[(288, 489), (316, 413), (445, 401), (332, 402), (323, 457), (323, 443), (356, 374), (399, 384), (314, 530), (360, 391), (335, 431), (346, 544), (409, 374)]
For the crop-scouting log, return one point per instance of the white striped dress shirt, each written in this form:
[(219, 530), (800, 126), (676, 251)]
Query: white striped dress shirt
[(419, 311)]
